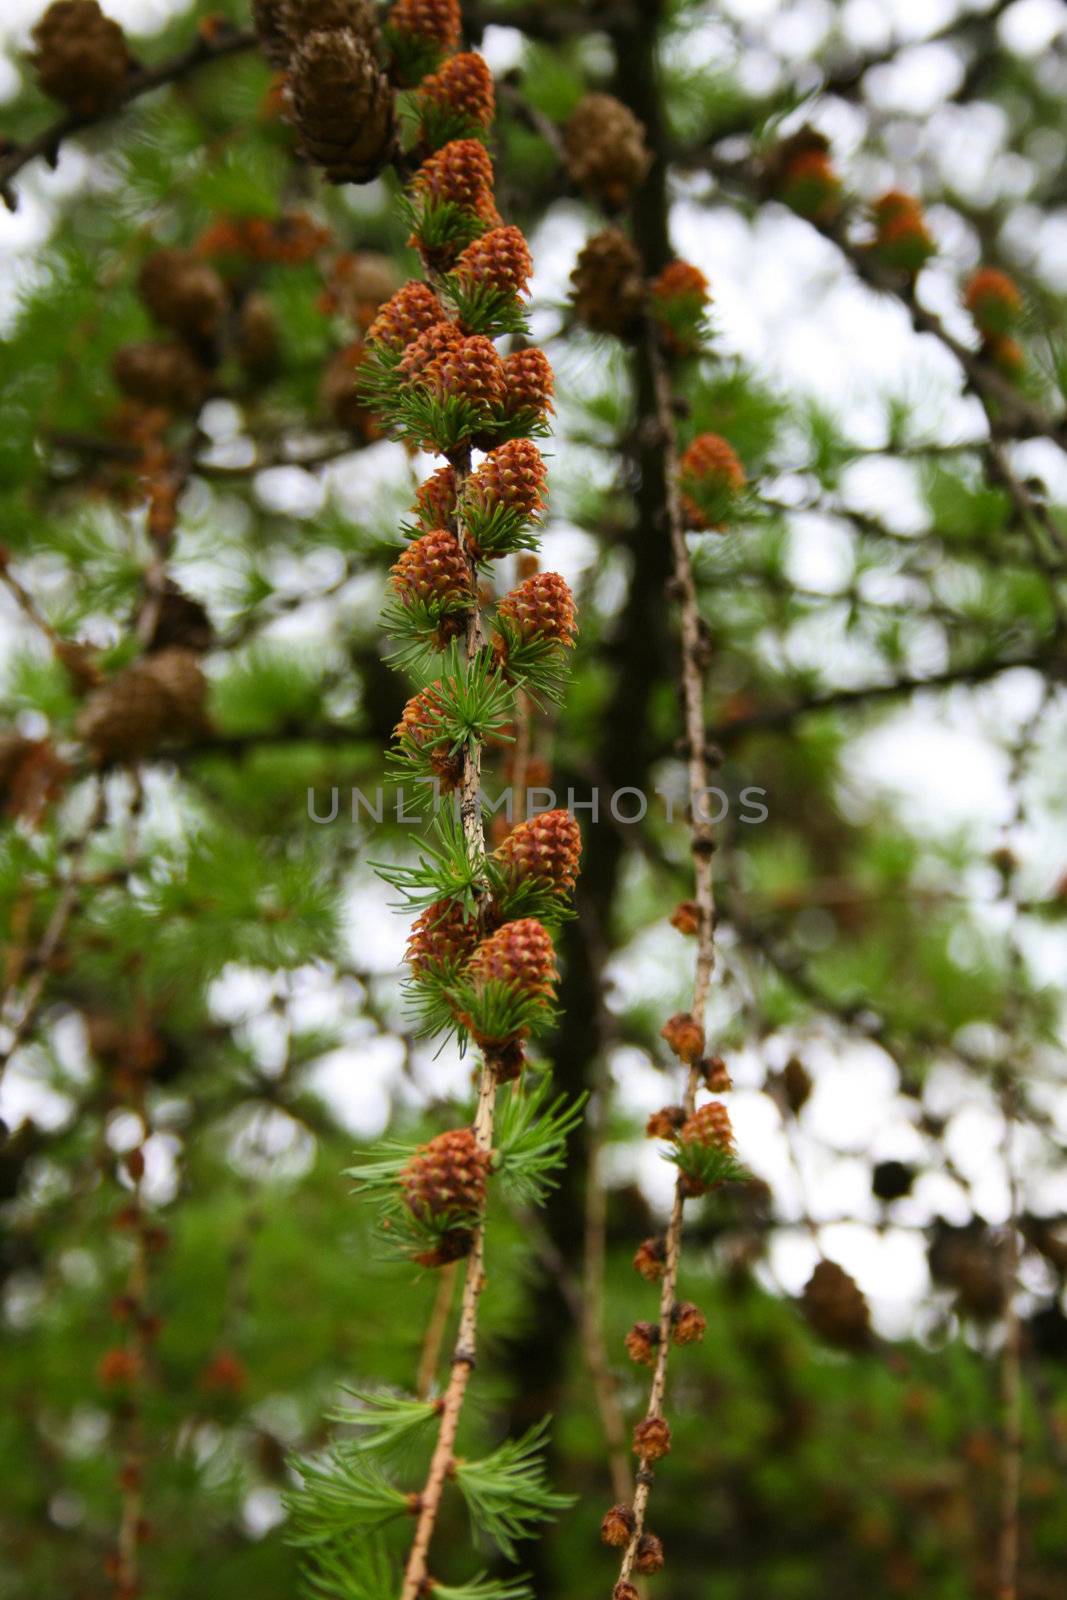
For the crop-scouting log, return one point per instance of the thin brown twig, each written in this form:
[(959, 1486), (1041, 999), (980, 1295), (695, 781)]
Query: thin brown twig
[(702, 845), (435, 1331)]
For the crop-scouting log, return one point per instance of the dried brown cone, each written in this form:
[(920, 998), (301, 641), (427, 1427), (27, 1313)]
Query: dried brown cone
[(419, 727), (342, 105), (434, 569), (437, 21), (607, 284), (80, 56), (618, 1526), (441, 937), (641, 1342), (445, 1180), (605, 150), (665, 1123), (688, 1323), (650, 1258), (796, 1084), (652, 1439), (540, 608), (463, 86), (686, 918), (160, 697), (268, 18), (402, 318), (519, 954), (180, 620), (685, 1037), (834, 1307), (649, 1557), (500, 259), (342, 395), (471, 370), (708, 467), (301, 17), (546, 848), (530, 383), (183, 293), (435, 502), (624, 1591), (433, 342), (258, 346), (160, 375), (514, 477)]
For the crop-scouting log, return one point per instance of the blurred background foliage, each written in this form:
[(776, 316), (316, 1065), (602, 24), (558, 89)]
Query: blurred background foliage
[(225, 990)]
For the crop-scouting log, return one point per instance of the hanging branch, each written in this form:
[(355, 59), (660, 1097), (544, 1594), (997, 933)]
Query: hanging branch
[(216, 40)]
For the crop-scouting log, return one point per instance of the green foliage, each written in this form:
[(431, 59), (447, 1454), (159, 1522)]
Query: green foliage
[(507, 1493)]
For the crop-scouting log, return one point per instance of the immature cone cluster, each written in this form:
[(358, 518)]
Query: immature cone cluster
[(419, 729), (618, 1526), (902, 238), (468, 369), (452, 194), (441, 939), (834, 1306), (519, 954), (605, 150), (641, 1342), (607, 284), (708, 1129), (444, 1187), (162, 696), (680, 297), (650, 1258), (710, 477), (462, 90), (996, 307), (435, 502), (342, 105), (542, 607), (801, 172), (545, 848), (80, 58)]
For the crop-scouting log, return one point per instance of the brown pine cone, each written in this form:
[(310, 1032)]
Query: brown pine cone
[(684, 1036), (519, 954), (402, 318), (81, 58), (641, 1342), (650, 1258), (605, 149), (664, 1123), (342, 106), (301, 17), (541, 608), (607, 284), (183, 293), (688, 1323), (268, 18), (624, 1591), (499, 259), (435, 502), (179, 674), (463, 88), (433, 569), (180, 620), (156, 698), (422, 352), (342, 396), (834, 1307), (652, 1439), (513, 477), (710, 476), (445, 1180), (437, 21), (547, 847), (649, 1556), (529, 383), (686, 918), (160, 375), (419, 729), (440, 937), (796, 1084), (618, 1526)]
